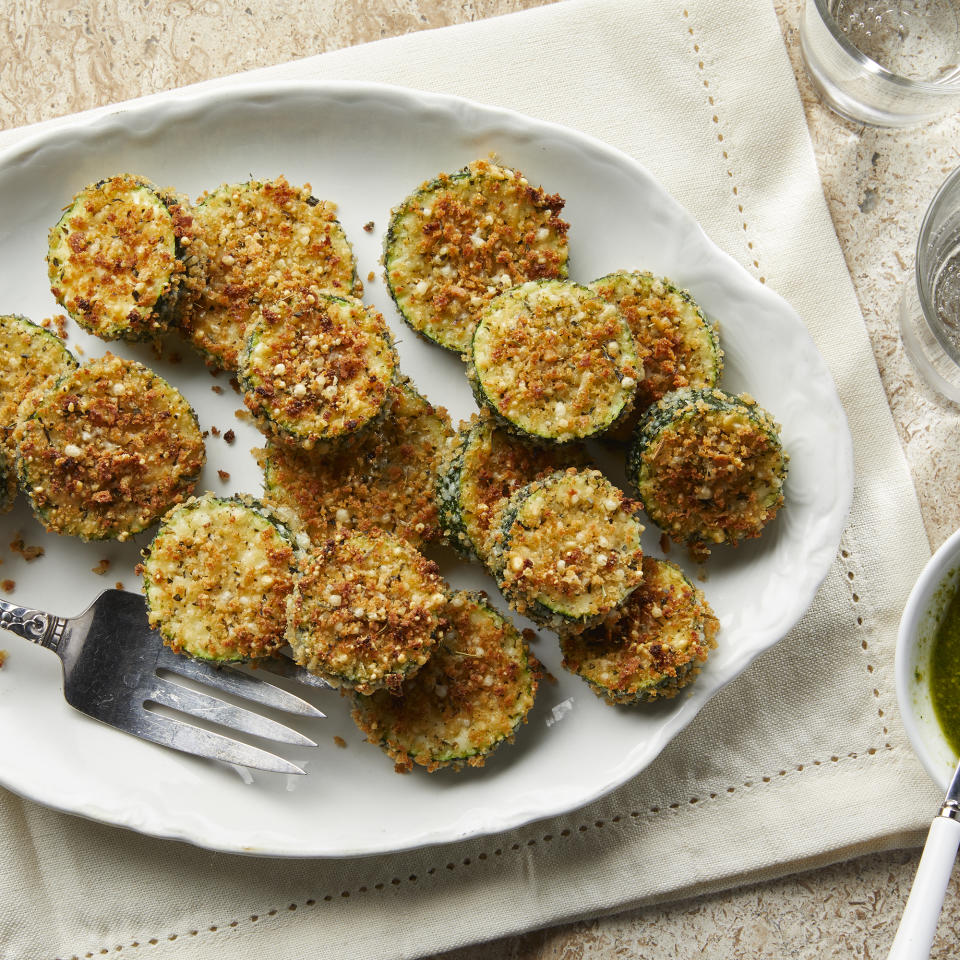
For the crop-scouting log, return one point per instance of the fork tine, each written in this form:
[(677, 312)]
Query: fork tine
[(237, 683), (205, 707), (183, 736), (283, 666)]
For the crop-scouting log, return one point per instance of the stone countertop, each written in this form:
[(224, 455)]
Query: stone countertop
[(71, 55)]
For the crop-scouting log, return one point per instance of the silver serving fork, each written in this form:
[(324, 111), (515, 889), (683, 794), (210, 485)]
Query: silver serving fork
[(110, 661)]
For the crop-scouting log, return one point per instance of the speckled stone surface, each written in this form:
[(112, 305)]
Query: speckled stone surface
[(63, 56)]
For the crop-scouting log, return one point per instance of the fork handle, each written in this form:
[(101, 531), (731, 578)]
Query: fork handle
[(36, 625)]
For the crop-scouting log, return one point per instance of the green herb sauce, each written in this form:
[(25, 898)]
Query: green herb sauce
[(945, 674)]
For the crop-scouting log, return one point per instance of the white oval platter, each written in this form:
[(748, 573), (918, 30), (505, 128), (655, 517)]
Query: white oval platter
[(366, 147)]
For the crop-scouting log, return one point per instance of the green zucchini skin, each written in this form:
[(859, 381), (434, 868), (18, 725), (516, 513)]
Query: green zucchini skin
[(569, 550), (210, 558), (115, 258), (534, 348), (459, 239), (470, 698), (448, 491), (678, 345), (709, 467), (651, 647)]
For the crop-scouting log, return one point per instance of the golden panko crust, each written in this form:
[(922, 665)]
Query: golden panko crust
[(470, 697), (254, 243), (217, 578), (678, 346), (114, 257), (570, 551), (317, 369), (105, 450), (652, 646), (384, 480), (366, 611), (482, 470), (709, 467), (461, 239), (554, 361), (29, 356)]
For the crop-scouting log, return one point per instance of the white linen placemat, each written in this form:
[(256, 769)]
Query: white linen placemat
[(800, 762)]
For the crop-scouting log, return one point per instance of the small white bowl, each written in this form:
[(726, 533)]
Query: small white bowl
[(926, 606)]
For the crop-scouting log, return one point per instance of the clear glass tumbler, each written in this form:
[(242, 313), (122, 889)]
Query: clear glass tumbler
[(890, 63), (930, 305)]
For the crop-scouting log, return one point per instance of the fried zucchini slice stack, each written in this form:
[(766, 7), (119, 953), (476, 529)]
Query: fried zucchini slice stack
[(104, 450), (386, 479), (470, 697), (679, 347), (652, 646), (217, 577), (569, 551), (366, 612), (554, 361), (709, 467), (481, 470), (316, 371), (460, 239), (29, 356), (115, 258), (257, 242)]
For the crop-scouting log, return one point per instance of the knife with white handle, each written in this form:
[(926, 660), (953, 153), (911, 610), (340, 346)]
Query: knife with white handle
[(919, 922)]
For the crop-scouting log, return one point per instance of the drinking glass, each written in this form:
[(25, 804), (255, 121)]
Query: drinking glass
[(930, 305), (890, 63)]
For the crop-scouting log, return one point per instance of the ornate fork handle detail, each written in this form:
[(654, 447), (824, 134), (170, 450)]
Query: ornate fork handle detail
[(35, 625)]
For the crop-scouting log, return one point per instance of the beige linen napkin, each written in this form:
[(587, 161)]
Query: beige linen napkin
[(799, 762)]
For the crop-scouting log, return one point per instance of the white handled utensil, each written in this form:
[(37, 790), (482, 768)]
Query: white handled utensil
[(919, 922)]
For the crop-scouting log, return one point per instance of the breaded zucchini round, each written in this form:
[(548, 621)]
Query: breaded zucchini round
[(652, 646), (709, 467), (570, 550), (104, 450), (114, 258), (316, 370), (471, 696), (483, 468), (366, 611), (217, 577), (29, 355), (554, 361), (257, 242), (679, 347), (386, 479), (459, 240)]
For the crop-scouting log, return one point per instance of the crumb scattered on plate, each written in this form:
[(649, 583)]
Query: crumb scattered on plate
[(28, 553)]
